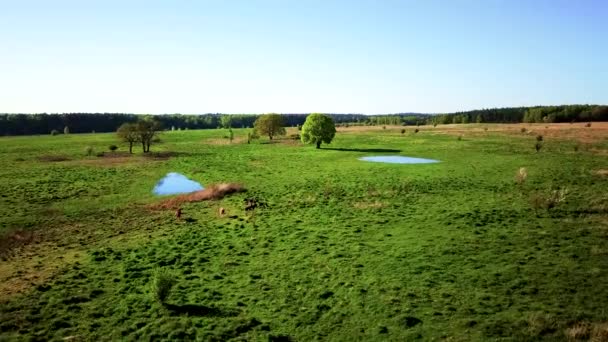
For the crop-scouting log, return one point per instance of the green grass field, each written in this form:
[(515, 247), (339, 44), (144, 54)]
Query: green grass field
[(346, 250)]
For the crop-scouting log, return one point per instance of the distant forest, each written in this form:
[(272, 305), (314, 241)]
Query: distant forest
[(538, 114), (29, 124)]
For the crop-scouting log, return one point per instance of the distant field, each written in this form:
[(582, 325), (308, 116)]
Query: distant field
[(345, 250)]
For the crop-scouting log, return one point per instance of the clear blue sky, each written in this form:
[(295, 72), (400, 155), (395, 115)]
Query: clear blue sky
[(300, 56)]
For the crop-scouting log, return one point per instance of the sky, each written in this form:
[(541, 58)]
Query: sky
[(300, 56)]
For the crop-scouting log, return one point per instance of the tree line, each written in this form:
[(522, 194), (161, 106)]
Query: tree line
[(31, 124), (537, 114)]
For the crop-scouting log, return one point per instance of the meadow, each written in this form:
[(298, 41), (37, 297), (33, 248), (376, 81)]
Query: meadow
[(344, 250)]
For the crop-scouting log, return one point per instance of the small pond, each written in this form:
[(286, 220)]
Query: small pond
[(176, 183), (398, 160)]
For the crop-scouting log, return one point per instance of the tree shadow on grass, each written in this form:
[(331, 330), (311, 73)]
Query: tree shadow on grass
[(369, 150), (200, 310)]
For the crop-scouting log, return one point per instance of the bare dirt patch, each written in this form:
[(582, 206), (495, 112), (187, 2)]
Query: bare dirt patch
[(14, 239), (53, 158), (586, 331), (598, 131), (556, 131), (225, 141), (213, 192), (601, 172), (369, 205)]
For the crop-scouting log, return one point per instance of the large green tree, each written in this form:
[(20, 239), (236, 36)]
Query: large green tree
[(270, 125), (318, 128)]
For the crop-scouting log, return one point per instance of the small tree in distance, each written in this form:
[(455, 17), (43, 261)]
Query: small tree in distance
[(66, 130), (270, 125), (317, 129), (146, 130), (127, 132)]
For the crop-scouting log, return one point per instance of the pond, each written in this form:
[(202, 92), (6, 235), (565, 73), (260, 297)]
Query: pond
[(398, 160), (176, 183)]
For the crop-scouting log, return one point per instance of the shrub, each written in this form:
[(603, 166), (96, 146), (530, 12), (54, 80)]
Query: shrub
[(295, 137), (162, 283), (523, 130), (89, 151), (539, 137), (538, 146), (54, 132), (588, 124), (576, 147), (416, 130), (113, 148), (434, 124), (403, 131), (100, 154), (383, 127), (550, 200), (459, 138)]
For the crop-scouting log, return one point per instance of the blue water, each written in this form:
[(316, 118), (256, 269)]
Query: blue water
[(175, 183), (398, 160)]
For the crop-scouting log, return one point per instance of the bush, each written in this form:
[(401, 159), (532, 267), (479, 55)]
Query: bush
[(550, 200), (295, 137), (113, 148), (89, 151), (523, 130), (588, 124), (538, 146), (539, 138), (383, 127), (100, 154), (162, 283), (460, 138), (521, 175), (403, 131), (54, 132), (416, 130)]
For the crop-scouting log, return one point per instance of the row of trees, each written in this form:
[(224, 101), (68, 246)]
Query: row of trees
[(317, 129), (31, 124), (546, 114)]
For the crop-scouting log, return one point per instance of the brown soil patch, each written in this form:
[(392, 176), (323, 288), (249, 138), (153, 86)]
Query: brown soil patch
[(14, 239), (109, 162), (369, 205), (601, 172), (213, 192), (225, 141), (53, 158), (558, 131), (585, 331)]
